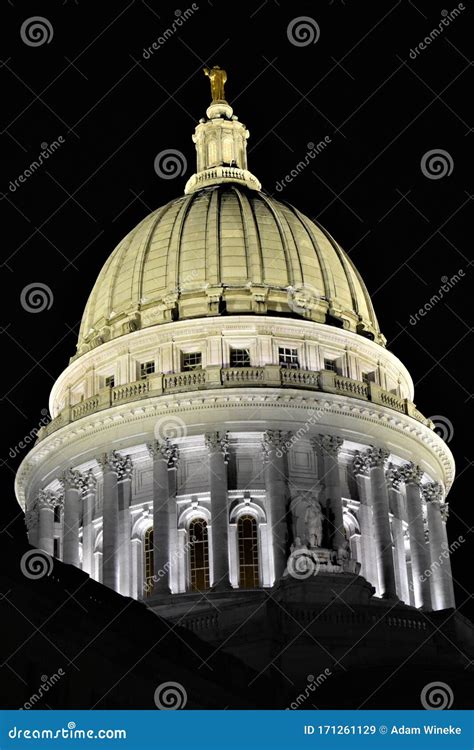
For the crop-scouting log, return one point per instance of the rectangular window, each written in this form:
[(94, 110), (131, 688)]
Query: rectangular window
[(191, 361), (56, 548), (239, 358), (146, 368), (330, 364), (288, 358), (57, 513), (110, 381), (368, 377)]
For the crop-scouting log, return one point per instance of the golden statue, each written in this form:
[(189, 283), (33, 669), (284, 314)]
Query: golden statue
[(217, 77)]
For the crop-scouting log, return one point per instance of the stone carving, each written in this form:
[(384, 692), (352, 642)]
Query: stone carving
[(307, 520), (444, 508), (216, 442), (433, 491), (125, 469), (165, 450), (46, 499), (376, 457), (110, 461), (330, 444), (393, 476), (71, 480), (360, 464), (411, 473)]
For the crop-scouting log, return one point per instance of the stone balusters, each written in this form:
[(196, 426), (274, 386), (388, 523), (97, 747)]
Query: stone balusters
[(442, 592), (360, 468), (89, 489), (111, 463), (381, 518), (124, 478), (395, 501), (218, 447), (45, 504), (329, 447), (161, 452), (412, 475), (276, 489), (72, 483)]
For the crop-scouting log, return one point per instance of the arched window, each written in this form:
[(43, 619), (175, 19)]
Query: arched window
[(148, 550), (199, 555), (248, 552)]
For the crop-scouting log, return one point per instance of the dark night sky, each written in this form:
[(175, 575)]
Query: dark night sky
[(115, 110)]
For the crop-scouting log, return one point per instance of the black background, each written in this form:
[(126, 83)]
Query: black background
[(116, 111)]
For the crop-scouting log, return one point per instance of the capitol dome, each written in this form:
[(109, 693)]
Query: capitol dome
[(226, 248)]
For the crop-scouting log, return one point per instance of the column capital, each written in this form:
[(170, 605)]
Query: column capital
[(110, 462), (433, 491), (89, 483), (125, 469), (71, 479), (376, 457), (217, 442), (31, 519), (165, 450), (360, 464), (444, 508), (46, 499), (394, 477), (330, 444), (411, 473)]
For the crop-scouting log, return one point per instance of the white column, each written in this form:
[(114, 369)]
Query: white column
[(124, 499), (395, 502), (110, 527), (412, 475), (369, 569), (382, 535), (72, 486), (136, 579), (88, 503), (277, 492), (45, 504), (218, 448), (330, 445), (160, 452), (442, 592)]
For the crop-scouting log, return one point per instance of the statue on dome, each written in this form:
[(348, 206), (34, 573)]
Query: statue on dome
[(217, 77)]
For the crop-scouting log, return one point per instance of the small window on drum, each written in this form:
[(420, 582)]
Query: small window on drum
[(191, 361), (199, 555), (247, 534), (110, 381), (146, 368), (288, 358), (331, 365), (368, 377), (239, 358)]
